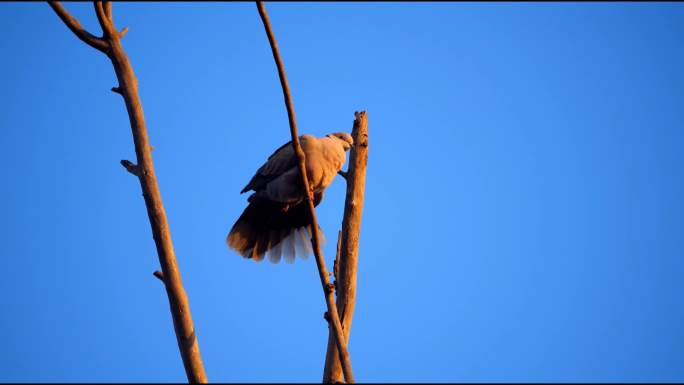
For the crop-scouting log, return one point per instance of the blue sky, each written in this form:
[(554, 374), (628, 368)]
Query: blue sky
[(523, 216)]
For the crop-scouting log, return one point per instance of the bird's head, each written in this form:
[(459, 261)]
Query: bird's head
[(344, 139)]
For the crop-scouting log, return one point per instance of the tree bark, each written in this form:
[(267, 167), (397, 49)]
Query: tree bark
[(349, 249), (328, 289), (110, 44)]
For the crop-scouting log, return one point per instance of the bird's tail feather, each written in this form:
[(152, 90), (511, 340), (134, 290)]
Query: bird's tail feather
[(266, 229)]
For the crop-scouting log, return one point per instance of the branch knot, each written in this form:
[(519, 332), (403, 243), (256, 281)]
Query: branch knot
[(159, 275), (131, 167)]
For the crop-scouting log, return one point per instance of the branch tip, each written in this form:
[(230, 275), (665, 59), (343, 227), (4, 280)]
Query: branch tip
[(131, 167), (159, 275)]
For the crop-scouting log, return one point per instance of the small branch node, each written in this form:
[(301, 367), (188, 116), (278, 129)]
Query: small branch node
[(159, 275), (123, 32), (330, 288), (326, 316), (343, 174), (336, 263), (131, 167), (117, 90)]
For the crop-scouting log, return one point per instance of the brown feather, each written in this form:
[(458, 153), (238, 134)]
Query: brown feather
[(264, 224), (278, 163)]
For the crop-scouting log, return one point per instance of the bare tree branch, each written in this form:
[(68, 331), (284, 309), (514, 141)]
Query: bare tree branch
[(351, 230), (144, 170), (75, 27), (108, 9), (103, 19), (123, 32), (328, 288)]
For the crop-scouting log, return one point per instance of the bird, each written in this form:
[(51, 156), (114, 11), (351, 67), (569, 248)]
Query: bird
[(277, 223)]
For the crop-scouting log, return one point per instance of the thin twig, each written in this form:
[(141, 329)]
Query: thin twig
[(320, 261), (105, 22), (108, 9), (110, 44), (75, 27), (131, 167), (348, 255)]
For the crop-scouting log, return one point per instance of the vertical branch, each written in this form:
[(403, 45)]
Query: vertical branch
[(328, 289), (110, 44), (351, 230)]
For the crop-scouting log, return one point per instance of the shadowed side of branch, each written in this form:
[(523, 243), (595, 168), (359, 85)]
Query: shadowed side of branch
[(349, 248), (110, 44), (328, 288)]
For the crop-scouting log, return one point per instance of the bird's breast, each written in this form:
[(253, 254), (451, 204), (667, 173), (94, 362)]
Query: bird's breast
[(323, 165)]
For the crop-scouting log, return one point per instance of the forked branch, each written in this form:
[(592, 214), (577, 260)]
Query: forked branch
[(110, 44), (328, 289), (75, 27)]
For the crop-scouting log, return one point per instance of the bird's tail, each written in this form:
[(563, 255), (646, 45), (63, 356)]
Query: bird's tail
[(269, 228)]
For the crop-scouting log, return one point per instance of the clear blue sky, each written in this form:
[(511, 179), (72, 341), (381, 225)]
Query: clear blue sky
[(523, 216)]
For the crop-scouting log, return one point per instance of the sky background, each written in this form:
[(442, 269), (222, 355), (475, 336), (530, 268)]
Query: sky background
[(523, 216)]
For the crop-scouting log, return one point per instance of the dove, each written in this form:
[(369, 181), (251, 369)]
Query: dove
[(277, 223)]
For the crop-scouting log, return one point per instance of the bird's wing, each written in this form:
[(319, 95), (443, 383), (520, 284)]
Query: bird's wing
[(282, 160)]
